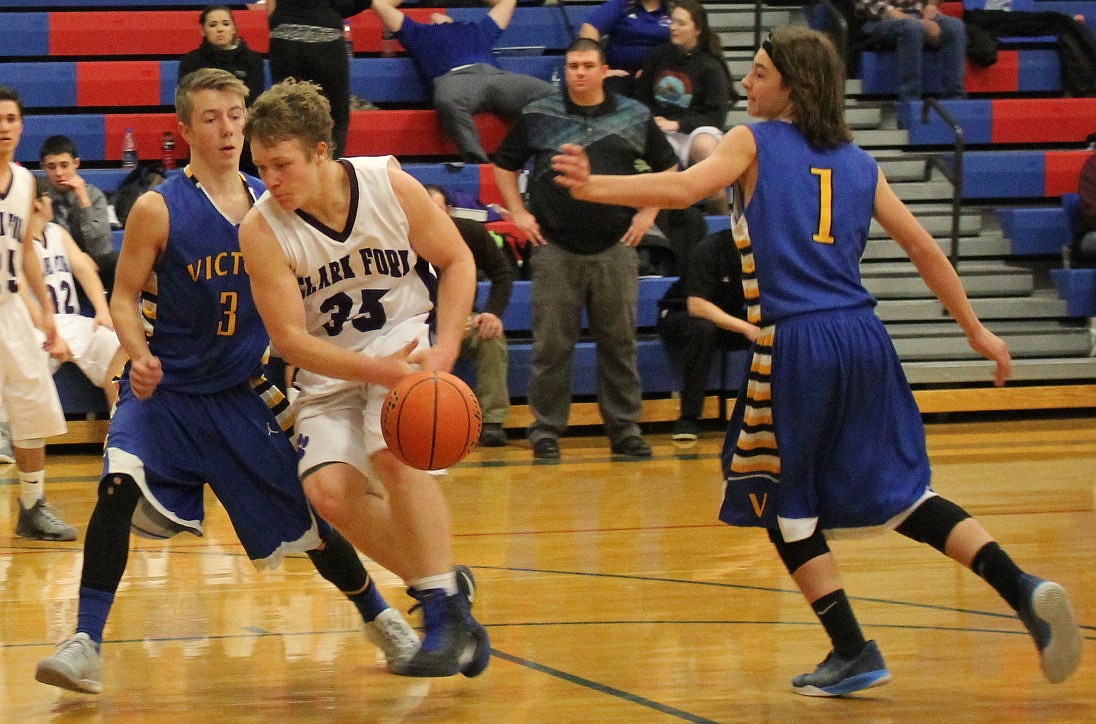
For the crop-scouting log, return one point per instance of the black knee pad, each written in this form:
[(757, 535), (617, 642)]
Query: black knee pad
[(933, 521), (106, 542), (796, 554), (118, 491), (338, 563)]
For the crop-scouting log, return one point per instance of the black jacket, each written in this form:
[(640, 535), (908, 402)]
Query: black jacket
[(241, 61)]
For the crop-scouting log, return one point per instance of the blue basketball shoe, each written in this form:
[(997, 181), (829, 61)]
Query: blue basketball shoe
[(837, 676)]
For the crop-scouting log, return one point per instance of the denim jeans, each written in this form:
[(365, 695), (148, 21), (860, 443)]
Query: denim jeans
[(908, 36)]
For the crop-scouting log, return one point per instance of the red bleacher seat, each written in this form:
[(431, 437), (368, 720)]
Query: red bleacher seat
[(1062, 169), (141, 32), (118, 83), (412, 133), (1002, 76), (1037, 120)]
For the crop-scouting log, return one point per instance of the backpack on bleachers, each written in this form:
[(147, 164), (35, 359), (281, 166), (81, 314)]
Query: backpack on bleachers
[(1076, 45), (147, 175)]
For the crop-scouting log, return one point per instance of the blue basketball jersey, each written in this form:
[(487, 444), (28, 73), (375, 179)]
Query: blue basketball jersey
[(815, 262), (204, 325), (827, 434)]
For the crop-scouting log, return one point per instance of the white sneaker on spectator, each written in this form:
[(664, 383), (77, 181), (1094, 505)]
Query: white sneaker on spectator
[(7, 455)]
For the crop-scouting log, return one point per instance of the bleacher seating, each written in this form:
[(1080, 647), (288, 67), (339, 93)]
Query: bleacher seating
[(174, 32), (90, 73), (1027, 70), (1020, 173), (1003, 121), (1026, 65), (1076, 286), (656, 371)]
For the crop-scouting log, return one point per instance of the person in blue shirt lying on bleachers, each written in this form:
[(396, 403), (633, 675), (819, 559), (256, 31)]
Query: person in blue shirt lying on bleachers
[(456, 59)]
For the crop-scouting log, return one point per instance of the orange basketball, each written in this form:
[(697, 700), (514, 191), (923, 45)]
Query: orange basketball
[(431, 420)]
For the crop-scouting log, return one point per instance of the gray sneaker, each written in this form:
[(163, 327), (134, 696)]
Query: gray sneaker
[(7, 455), (41, 522), (76, 665), (1048, 616), (394, 636), (837, 676)]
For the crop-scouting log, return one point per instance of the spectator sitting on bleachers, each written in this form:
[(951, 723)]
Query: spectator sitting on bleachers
[(702, 312), (1082, 251), (630, 30), (688, 88), (455, 58), (484, 337), (90, 341), (912, 26), (223, 48), (79, 207)]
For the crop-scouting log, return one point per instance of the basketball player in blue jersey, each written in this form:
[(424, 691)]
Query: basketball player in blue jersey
[(828, 436), (193, 406), (340, 255), (26, 388)]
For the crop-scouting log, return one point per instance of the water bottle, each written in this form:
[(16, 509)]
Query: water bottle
[(388, 44), (348, 38), (169, 151), (556, 80), (129, 150)]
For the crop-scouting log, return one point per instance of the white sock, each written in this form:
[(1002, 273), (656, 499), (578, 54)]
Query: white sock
[(32, 487), (445, 581)]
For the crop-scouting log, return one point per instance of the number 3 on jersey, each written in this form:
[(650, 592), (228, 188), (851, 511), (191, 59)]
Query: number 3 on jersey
[(229, 304), (825, 205)]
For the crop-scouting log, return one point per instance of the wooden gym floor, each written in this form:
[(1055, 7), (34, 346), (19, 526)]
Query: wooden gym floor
[(610, 590)]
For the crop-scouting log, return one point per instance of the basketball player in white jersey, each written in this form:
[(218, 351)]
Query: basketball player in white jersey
[(89, 342), (340, 253), (26, 386)]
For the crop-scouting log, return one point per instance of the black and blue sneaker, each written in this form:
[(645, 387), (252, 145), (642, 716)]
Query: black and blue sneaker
[(1048, 616), (455, 643), (837, 676)]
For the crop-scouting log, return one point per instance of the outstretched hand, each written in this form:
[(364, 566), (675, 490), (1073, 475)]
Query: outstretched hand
[(573, 166)]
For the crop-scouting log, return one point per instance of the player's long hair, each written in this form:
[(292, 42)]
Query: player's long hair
[(291, 110), (815, 74)]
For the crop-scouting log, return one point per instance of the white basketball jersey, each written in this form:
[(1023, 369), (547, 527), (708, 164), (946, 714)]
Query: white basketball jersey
[(362, 283), (15, 204), (58, 270)]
